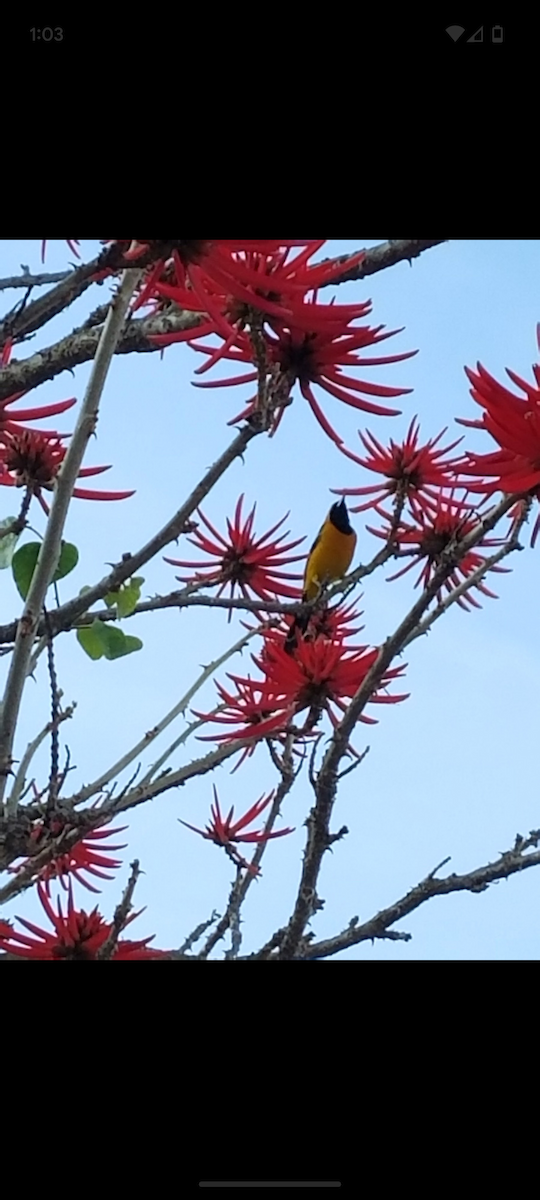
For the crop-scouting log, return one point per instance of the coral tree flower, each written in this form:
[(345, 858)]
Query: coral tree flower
[(312, 349), (243, 561), (311, 342), (514, 423), (198, 274), (33, 460), (411, 472), (76, 935), (247, 706), (435, 530), (225, 832), (319, 676), (84, 858), (10, 422)]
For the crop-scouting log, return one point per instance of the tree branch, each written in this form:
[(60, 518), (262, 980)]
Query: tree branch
[(106, 951), (81, 345), (50, 547), (508, 863), (388, 254), (27, 280), (230, 918), (64, 617), (112, 772)]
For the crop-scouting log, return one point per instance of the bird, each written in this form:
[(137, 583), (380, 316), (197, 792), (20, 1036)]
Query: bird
[(328, 560)]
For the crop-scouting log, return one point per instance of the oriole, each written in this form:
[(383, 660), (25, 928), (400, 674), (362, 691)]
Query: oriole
[(328, 560)]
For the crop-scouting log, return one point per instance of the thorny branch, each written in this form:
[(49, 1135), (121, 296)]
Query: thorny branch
[(510, 862), (231, 917), (121, 915), (50, 547)]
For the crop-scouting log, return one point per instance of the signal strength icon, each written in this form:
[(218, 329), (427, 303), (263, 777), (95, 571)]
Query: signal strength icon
[(455, 31)]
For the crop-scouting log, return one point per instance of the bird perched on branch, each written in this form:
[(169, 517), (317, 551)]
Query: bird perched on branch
[(328, 560)]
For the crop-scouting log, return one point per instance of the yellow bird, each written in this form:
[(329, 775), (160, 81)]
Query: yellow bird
[(328, 560)]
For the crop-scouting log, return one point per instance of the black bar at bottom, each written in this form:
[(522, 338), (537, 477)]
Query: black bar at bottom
[(268, 1183)]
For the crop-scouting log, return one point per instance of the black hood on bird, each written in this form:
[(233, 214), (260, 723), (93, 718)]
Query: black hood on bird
[(340, 518)]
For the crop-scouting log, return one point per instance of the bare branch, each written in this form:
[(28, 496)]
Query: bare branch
[(29, 317), (20, 778), (27, 280), (55, 711), (81, 345), (50, 547), (510, 862), (388, 254), (106, 951), (231, 917), (197, 933), (169, 779), (112, 772)]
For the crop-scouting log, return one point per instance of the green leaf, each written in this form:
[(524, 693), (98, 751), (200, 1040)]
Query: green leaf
[(113, 641), (117, 644), (23, 566), (132, 644), (7, 543), (100, 640), (127, 597), (69, 557), (25, 559), (90, 640)]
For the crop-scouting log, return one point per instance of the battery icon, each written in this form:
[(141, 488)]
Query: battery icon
[(497, 33)]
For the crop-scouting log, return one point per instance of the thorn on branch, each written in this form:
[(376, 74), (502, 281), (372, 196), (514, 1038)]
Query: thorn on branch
[(336, 837), (439, 866)]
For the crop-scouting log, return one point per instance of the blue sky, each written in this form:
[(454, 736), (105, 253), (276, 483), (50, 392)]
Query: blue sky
[(453, 770)]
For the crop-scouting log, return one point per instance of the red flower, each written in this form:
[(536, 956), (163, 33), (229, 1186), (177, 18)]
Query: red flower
[(311, 342), (264, 279), (319, 676), (514, 423), (246, 706), (436, 529), (318, 357), (76, 935), (82, 858), (411, 471), (33, 459), (225, 832), (249, 563), (10, 426), (205, 272)]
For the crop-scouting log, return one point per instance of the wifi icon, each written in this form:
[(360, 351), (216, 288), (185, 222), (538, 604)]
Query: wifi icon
[(455, 31)]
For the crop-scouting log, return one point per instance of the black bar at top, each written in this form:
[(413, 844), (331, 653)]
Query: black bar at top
[(268, 1183)]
